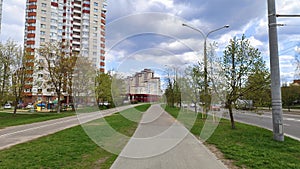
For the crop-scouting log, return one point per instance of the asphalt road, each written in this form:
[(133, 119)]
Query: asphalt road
[(19, 134), (291, 122)]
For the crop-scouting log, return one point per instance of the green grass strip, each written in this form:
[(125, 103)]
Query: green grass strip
[(249, 146), (70, 148), (7, 119)]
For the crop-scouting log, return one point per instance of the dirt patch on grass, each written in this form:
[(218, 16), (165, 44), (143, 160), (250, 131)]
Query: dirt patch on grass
[(98, 163), (220, 156)]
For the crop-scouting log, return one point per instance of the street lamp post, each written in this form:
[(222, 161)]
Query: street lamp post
[(205, 36)]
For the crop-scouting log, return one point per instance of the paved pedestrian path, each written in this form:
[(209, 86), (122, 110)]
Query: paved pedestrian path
[(160, 142)]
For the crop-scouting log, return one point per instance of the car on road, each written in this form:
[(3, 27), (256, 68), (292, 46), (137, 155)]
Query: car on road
[(7, 106)]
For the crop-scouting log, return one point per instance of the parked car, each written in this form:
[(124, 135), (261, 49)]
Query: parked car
[(7, 106), (21, 105), (29, 106), (215, 107)]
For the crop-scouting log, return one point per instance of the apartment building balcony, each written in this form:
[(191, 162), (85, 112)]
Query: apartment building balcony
[(75, 29), (77, 5), (77, 17), (76, 42), (102, 64), (76, 35), (76, 49)]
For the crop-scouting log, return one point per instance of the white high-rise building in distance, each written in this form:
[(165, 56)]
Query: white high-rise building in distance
[(80, 23)]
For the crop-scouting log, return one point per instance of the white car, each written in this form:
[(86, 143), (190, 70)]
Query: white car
[(7, 106), (29, 106)]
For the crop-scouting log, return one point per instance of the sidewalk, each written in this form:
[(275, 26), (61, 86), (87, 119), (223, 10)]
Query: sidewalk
[(160, 142)]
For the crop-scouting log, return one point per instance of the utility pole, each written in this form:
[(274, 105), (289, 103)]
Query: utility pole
[(275, 74)]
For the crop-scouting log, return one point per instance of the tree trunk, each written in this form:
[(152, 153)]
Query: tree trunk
[(58, 102), (15, 108), (231, 116), (3, 82)]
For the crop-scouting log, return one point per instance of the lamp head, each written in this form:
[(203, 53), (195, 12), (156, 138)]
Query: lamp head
[(226, 26)]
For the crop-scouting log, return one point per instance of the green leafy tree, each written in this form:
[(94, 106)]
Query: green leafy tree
[(260, 94), (103, 88), (240, 60), (173, 90), (118, 89), (290, 94)]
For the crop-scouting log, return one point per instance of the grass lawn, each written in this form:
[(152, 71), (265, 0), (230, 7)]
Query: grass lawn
[(7, 119), (71, 148), (249, 146)]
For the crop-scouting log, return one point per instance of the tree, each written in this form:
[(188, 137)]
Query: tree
[(173, 90), (260, 94), (83, 82), (290, 94), (18, 77), (240, 60), (103, 88), (118, 89), (7, 50), (57, 63)]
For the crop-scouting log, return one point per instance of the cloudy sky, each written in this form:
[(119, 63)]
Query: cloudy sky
[(149, 33)]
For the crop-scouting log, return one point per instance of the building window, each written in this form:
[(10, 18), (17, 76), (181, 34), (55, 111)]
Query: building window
[(53, 27), (27, 90), (43, 19), (42, 39), (95, 16), (40, 75), (95, 4), (95, 10), (44, 11), (43, 32), (44, 4), (43, 26)]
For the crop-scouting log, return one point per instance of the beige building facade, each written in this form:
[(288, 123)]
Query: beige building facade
[(143, 86)]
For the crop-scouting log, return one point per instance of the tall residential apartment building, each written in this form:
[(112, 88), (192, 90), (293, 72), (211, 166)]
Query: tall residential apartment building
[(79, 23)]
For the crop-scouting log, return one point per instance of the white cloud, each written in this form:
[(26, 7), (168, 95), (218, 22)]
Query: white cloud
[(13, 20), (297, 49), (205, 15)]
